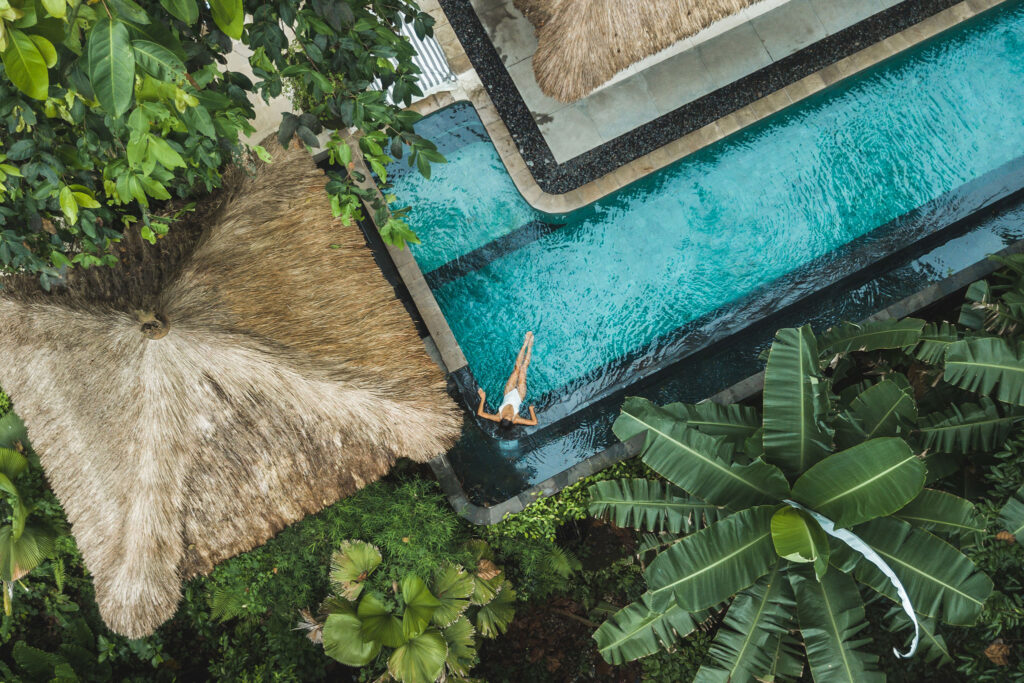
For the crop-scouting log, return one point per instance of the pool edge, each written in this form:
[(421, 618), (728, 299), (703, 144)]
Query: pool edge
[(738, 392)]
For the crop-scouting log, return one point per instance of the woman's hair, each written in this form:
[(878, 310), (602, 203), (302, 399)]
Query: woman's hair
[(505, 423)]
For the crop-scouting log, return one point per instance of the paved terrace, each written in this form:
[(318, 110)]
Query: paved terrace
[(722, 53)]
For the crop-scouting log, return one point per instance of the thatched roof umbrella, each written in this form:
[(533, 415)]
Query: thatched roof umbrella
[(583, 43), (190, 403)]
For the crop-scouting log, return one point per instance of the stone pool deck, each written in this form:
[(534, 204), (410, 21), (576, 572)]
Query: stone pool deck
[(726, 51), (471, 89)]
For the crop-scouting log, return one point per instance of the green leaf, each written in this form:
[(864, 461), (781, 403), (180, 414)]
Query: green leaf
[(754, 622), (935, 339), (650, 505), (831, 615), (128, 9), (932, 646), (68, 205), (158, 61), (798, 538), (1012, 515), (884, 409), (939, 579), (55, 8), (185, 10), (943, 512), (461, 646), (493, 618), (873, 335), (378, 623), (638, 630), (25, 66), (734, 421), (46, 50), (872, 479), (20, 554), (985, 365), (968, 427), (707, 567), (971, 316), (796, 403), (12, 463), (694, 461), (164, 153), (343, 641), (351, 564), (228, 15), (420, 604), (421, 659), (111, 65), (453, 585)]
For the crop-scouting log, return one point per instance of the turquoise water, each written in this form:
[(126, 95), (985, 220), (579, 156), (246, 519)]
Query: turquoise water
[(717, 225)]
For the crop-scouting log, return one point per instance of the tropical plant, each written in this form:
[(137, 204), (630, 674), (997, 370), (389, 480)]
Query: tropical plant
[(429, 632), (109, 107), (789, 507), (25, 541)]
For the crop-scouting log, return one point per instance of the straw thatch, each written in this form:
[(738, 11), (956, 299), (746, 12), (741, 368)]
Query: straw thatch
[(189, 404), (583, 43)]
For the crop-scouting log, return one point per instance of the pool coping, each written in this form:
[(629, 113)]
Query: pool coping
[(474, 92), (448, 348), (741, 391)]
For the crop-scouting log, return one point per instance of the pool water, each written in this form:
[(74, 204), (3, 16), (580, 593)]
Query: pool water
[(627, 271)]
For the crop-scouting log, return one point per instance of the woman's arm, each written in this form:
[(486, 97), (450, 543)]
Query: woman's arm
[(532, 422), (480, 410)]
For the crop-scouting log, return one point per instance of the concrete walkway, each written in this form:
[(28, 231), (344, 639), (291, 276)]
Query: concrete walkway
[(724, 52)]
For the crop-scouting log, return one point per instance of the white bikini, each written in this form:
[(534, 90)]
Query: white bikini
[(512, 398)]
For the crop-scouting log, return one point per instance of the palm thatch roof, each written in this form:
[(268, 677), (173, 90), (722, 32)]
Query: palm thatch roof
[(583, 43), (190, 403)]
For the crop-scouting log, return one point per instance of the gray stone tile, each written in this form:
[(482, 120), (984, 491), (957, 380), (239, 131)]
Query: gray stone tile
[(678, 80), (835, 15), (539, 104), (733, 55), (512, 34), (619, 108), (570, 133), (788, 28)]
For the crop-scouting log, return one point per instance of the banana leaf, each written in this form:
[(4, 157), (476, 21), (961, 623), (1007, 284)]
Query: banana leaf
[(638, 630), (650, 505), (796, 403), (986, 365), (697, 462), (708, 567), (872, 479), (941, 581)]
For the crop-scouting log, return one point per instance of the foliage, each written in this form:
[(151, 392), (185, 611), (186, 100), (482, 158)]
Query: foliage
[(1003, 559), (110, 108), (427, 633), (844, 450), (27, 539)]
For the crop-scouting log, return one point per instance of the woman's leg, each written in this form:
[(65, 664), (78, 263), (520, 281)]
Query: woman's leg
[(513, 379), (526, 364)]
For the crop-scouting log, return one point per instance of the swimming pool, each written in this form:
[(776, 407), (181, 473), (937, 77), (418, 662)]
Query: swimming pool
[(608, 287)]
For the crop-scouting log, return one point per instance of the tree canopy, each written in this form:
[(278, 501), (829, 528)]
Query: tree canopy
[(108, 108)]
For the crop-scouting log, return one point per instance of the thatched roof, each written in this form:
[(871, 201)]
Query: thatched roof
[(583, 43), (277, 375)]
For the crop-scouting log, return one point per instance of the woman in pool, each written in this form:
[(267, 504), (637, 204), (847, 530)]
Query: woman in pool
[(515, 391)]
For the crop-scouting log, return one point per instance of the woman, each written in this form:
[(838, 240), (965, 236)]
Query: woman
[(515, 391)]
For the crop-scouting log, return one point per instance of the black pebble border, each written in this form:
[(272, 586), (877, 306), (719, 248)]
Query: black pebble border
[(557, 178)]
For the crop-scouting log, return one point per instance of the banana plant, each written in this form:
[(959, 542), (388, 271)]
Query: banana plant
[(429, 632), (786, 512)]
